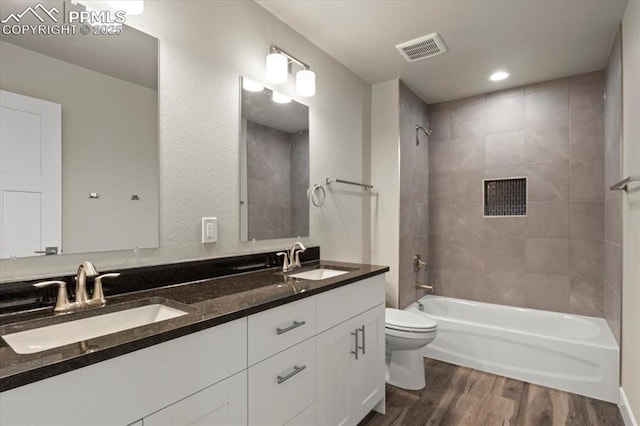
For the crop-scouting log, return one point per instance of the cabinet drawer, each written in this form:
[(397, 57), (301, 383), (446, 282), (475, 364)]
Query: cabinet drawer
[(282, 386), (277, 329), (306, 418), (336, 306)]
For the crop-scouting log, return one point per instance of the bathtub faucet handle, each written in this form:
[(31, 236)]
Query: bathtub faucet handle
[(418, 262)]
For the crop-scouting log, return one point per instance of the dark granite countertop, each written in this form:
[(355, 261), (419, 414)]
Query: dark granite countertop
[(210, 302)]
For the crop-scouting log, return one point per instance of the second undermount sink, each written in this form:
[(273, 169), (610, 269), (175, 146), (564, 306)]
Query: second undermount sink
[(318, 274), (56, 335)]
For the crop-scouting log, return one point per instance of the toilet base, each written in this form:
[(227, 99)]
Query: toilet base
[(405, 369)]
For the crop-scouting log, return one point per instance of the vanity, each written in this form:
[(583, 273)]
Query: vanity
[(262, 347)]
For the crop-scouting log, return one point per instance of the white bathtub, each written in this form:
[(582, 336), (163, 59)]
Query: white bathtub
[(568, 352)]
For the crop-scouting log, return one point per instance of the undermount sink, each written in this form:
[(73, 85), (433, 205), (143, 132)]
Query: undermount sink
[(318, 274), (53, 336)]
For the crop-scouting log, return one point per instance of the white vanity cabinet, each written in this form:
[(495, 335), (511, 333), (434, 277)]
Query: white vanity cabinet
[(315, 361)]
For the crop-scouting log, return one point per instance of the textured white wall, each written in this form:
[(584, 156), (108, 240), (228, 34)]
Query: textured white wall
[(631, 206), (204, 48), (385, 175)]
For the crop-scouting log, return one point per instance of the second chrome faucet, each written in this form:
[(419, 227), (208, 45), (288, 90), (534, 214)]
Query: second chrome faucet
[(291, 257)]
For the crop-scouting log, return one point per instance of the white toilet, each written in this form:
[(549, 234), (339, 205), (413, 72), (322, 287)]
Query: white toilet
[(406, 333)]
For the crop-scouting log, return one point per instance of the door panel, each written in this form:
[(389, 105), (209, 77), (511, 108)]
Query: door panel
[(30, 169), (333, 362), (224, 403), (368, 371), (21, 228), (20, 151)]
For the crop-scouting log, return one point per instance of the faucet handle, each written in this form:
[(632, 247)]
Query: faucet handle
[(98, 294), (285, 260), (62, 301), (296, 263)]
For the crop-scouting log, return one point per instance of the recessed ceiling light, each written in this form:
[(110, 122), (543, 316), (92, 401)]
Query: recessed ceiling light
[(499, 75)]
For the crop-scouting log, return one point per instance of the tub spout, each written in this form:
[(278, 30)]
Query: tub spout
[(424, 286)]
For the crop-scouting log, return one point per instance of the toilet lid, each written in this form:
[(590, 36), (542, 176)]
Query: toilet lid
[(404, 320)]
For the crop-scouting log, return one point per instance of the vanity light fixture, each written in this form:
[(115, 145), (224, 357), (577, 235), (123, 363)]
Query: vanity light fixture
[(305, 82), (499, 75), (277, 71), (279, 98), (252, 86), (277, 68)]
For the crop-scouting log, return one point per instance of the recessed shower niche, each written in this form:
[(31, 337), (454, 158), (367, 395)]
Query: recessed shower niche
[(504, 197)]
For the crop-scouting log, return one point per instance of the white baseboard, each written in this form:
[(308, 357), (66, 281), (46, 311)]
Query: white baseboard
[(625, 410)]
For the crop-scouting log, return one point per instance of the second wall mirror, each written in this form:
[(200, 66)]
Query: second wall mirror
[(274, 164)]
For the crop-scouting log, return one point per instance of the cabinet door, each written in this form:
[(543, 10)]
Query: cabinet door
[(306, 418), (224, 403), (334, 356), (367, 372)]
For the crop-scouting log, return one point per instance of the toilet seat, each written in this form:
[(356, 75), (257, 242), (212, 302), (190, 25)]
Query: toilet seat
[(399, 320)]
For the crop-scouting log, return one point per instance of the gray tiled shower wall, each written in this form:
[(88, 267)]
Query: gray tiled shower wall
[(278, 177), (613, 199), (414, 187), (552, 259)]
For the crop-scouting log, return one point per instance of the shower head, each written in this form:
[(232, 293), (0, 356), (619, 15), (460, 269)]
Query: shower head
[(425, 130)]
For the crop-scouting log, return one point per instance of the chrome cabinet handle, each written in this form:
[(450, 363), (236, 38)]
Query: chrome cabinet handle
[(296, 370), (295, 324), (363, 340), (355, 333)]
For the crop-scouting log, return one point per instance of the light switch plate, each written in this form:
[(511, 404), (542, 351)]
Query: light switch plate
[(209, 230)]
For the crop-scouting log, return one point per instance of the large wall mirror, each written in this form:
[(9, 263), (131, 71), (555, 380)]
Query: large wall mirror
[(274, 165), (79, 140)]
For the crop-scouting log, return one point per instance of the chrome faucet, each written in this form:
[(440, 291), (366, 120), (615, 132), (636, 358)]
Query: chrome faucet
[(86, 269), (294, 254)]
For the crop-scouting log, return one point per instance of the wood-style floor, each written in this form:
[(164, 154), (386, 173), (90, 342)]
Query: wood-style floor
[(462, 396)]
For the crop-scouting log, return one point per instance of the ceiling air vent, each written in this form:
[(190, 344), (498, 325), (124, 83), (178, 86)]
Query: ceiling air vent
[(422, 47)]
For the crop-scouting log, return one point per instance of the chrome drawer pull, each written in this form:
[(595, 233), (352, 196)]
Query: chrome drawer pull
[(363, 340), (355, 333), (296, 370), (295, 324)]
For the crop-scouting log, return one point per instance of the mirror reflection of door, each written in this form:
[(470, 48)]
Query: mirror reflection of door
[(30, 176)]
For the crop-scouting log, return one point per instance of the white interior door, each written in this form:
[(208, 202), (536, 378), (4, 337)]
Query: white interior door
[(30, 175)]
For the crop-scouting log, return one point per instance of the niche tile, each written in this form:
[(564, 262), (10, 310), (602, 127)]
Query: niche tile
[(505, 197)]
